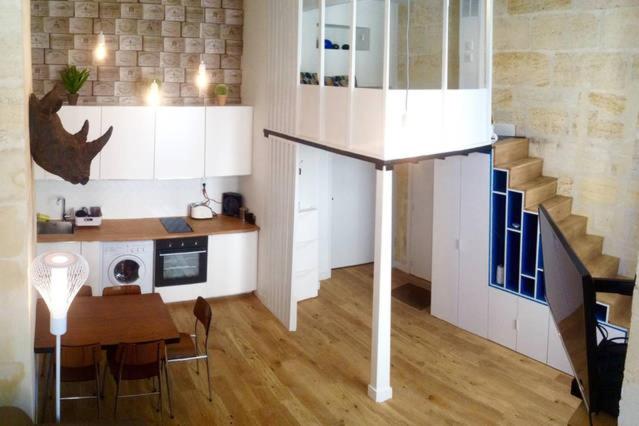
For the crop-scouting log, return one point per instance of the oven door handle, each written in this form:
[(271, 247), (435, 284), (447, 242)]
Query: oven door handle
[(181, 253)]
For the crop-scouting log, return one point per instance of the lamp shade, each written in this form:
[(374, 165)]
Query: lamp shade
[(58, 276)]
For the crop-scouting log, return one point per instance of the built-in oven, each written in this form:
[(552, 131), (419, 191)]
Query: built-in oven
[(180, 261)]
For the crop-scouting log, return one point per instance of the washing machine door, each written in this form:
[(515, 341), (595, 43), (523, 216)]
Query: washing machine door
[(126, 270)]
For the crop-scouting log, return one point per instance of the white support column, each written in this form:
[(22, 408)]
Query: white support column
[(379, 389)]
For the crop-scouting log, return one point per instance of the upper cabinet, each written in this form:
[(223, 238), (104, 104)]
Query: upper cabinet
[(179, 143), (229, 140), (165, 142), (129, 154), (72, 120)]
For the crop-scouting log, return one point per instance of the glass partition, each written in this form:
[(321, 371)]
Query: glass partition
[(310, 52), (337, 42), (369, 44), (416, 40), (466, 44)]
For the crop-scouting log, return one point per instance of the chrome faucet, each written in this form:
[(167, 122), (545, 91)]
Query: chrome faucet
[(64, 206)]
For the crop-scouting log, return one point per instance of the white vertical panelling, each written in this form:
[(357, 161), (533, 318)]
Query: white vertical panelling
[(276, 242)]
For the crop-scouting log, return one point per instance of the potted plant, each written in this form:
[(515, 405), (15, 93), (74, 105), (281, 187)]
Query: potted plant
[(73, 79), (221, 92)]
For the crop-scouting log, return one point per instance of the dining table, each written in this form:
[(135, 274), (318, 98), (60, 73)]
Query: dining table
[(108, 321)]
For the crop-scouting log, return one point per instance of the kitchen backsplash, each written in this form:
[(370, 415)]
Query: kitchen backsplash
[(131, 199), (162, 40)]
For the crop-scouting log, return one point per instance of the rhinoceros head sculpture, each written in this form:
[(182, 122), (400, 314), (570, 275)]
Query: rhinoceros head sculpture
[(53, 148)]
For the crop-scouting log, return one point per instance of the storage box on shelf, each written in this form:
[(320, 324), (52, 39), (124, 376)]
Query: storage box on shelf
[(165, 142)]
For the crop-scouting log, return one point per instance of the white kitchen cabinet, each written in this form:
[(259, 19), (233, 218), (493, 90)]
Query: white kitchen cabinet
[(179, 143), (72, 118), (129, 154), (446, 229), (532, 329), (229, 140), (557, 356), (92, 252), (502, 317), (73, 247), (232, 264), (306, 255)]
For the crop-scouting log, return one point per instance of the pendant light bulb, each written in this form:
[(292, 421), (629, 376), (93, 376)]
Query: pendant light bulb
[(201, 79), (153, 96), (100, 51)]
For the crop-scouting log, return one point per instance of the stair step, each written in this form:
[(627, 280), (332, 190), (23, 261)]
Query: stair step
[(558, 206), (619, 308), (603, 266), (510, 149), (537, 190), (588, 246), (523, 170), (573, 227)]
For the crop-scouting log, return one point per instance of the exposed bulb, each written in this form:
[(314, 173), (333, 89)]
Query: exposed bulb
[(100, 51), (153, 96), (201, 80)]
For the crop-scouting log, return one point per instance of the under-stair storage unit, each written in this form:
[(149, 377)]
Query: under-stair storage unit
[(519, 317), (460, 241)]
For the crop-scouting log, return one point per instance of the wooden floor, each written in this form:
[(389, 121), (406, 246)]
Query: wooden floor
[(263, 374)]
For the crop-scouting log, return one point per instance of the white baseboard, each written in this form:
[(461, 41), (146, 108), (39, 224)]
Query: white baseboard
[(401, 266), (380, 395)]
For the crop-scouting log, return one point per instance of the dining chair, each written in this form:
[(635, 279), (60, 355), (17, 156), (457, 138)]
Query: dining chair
[(138, 361), (187, 349), (79, 364), (121, 290), (85, 291)]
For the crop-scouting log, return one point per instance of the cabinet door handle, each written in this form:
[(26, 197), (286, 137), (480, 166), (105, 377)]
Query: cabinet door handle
[(517, 325)]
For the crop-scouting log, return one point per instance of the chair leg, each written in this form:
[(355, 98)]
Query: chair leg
[(208, 376), (97, 390), (168, 387), (197, 366), (104, 372), (160, 394), (46, 387), (117, 396)]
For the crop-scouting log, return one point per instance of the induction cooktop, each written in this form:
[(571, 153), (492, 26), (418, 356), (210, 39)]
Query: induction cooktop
[(175, 225)]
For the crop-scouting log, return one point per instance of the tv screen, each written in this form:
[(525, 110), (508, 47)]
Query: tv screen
[(566, 281)]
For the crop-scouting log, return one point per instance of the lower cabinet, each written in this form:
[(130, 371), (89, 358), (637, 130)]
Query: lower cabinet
[(91, 251)]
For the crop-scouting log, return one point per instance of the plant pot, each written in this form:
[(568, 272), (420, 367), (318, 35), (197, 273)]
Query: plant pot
[(221, 100), (73, 98)]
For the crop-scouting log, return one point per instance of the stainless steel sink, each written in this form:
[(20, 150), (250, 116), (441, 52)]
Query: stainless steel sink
[(55, 227)]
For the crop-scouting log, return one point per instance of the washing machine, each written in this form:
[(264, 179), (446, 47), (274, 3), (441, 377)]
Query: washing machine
[(128, 262)]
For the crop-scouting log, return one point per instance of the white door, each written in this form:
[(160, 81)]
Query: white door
[(557, 356), (229, 140), (446, 211), (502, 317), (353, 212), (179, 143), (73, 118), (130, 153), (532, 329), (420, 235), (473, 246)]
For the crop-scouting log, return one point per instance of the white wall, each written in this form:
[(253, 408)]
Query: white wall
[(420, 222), (131, 199), (353, 212)]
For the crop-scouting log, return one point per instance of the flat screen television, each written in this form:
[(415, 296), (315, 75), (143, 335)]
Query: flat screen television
[(571, 295)]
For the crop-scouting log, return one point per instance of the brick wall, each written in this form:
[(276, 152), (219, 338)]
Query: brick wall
[(146, 40), (566, 73)]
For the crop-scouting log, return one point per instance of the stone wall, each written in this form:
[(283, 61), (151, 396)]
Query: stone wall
[(16, 211), (147, 40), (566, 73)]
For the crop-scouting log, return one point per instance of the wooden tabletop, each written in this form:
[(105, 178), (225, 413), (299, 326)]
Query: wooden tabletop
[(149, 229), (108, 321)]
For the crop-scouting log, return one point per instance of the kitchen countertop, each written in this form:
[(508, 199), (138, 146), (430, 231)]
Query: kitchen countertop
[(148, 229)]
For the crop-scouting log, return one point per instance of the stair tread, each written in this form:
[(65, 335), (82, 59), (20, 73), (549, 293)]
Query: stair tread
[(534, 183), (573, 226), (587, 243), (509, 141), (602, 266), (519, 163), (550, 203), (510, 149), (619, 308)]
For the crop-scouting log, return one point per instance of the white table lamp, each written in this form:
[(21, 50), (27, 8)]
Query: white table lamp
[(58, 276)]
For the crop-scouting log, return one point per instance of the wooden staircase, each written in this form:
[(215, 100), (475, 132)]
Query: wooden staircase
[(525, 175)]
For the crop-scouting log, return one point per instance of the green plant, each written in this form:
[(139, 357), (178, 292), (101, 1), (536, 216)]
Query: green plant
[(73, 78), (221, 90)]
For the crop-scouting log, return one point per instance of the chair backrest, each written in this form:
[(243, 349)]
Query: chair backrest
[(80, 363), (85, 291), (203, 313), (139, 360), (121, 290)]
